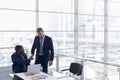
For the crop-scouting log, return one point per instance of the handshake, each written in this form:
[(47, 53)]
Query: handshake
[(31, 57)]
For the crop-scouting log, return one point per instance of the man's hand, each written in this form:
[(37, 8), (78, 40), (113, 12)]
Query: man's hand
[(31, 57), (50, 63)]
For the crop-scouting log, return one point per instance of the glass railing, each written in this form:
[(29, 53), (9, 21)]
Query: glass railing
[(93, 69)]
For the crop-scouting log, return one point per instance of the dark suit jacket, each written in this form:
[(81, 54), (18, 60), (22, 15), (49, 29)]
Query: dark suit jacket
[(48, 50), (18, 63)]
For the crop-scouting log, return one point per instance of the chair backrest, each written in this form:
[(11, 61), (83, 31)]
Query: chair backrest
[(13, 67), (76, 68)]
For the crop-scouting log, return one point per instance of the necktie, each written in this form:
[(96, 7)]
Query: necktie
[(25, 67), (41, 45)]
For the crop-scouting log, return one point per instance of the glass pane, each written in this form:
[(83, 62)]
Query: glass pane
[(114, 23), (117, 1), (87, 23), (54, 22), (17, 20), (93, 71), (113, 8), (57, 5), (113, 47), (92, 45), (18, 4), (63, 42), (5, 56), (91, 7), (10, 39), (114, 31), (113, 73)]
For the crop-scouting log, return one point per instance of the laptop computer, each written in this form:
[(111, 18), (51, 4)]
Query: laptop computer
[(33, 69)]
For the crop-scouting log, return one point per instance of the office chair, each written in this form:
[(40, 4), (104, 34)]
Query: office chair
[(75, 68)]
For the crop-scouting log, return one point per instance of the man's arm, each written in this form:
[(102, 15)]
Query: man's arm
[(18, 60), (52, 50), (52, 53), (34, 46)]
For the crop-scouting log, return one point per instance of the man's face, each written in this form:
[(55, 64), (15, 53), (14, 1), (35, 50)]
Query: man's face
[(40, 33), (21, 50)]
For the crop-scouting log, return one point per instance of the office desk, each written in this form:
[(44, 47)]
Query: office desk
[(60, 76), (53, 76), (41, 75)]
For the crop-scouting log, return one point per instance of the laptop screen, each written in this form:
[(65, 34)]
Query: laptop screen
[(33, 69)]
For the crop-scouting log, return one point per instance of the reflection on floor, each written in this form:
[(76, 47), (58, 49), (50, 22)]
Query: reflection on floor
[(4, 73)]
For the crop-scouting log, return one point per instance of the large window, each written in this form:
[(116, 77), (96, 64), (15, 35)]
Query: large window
[(60, 19), (17, 20), (15, 4)]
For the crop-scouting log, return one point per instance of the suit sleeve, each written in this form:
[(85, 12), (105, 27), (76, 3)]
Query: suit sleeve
[(34, 46), (16, 59), (51, 49)]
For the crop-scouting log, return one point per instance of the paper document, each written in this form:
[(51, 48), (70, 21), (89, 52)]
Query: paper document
[(40, 77), (43, 76)]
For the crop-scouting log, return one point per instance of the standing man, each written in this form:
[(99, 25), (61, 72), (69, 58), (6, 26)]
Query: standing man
[(44, 50)]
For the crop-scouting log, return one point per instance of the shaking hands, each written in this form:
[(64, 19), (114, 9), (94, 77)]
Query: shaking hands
[(31, 57)]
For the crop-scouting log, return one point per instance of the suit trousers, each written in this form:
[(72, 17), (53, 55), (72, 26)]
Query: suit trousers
[(44, 63)]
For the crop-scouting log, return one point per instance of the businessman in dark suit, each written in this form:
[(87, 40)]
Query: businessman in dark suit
[(20, 61), (44, 50)]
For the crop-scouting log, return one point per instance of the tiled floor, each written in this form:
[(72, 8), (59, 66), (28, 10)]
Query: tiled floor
[(4, 73)]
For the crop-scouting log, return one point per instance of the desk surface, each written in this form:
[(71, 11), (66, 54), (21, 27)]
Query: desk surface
[(41, 76), (53, 76)]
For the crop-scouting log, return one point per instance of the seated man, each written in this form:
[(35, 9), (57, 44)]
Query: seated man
[(20, 61)]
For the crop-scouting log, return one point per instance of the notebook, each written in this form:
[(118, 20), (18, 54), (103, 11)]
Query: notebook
[(33, 69)]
